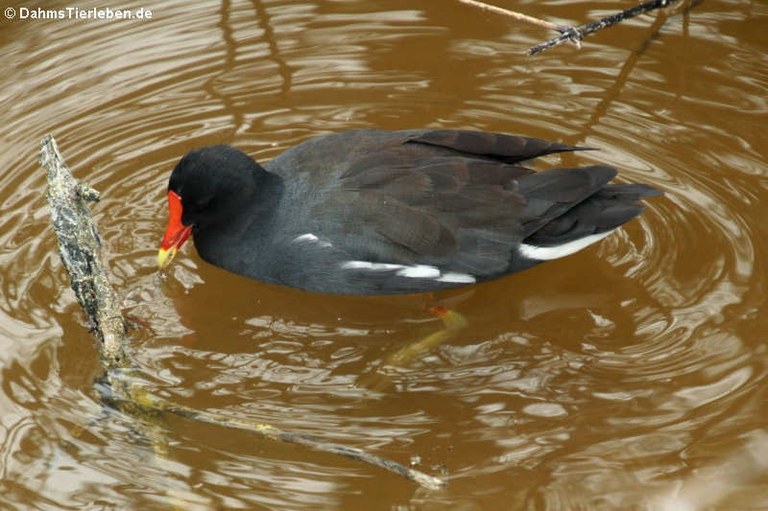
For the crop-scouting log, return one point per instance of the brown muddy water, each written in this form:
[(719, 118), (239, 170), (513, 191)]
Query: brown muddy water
[(629, 376)]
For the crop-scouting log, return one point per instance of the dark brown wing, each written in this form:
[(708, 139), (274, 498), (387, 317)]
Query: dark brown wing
[(497, 146), (444, 198)]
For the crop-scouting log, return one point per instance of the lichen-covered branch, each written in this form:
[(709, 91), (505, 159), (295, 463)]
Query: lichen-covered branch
[(576, 34), (79, 247)]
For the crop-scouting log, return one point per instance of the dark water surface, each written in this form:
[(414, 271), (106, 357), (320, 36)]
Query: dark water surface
[(629, 373)]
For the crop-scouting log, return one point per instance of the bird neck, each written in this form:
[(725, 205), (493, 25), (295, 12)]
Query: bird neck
[(250, 203), (266, 193)]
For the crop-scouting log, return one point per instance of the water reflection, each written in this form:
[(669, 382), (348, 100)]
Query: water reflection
[(597, 382)]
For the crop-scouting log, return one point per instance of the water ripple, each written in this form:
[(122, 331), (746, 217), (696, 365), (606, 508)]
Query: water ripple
[(597, 378)]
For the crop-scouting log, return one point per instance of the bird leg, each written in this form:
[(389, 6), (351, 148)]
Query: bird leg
[(453, 322)]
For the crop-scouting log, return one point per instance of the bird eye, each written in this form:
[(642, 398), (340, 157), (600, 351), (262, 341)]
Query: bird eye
[(202, 203)]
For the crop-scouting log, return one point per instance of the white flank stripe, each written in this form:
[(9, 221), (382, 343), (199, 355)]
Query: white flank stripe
[(558, 251), (306, 237), (311, 238), (457, 278), (420, 271), (367, 265), (417, 271)]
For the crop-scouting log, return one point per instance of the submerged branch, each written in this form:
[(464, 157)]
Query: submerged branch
[(152, 403), (79, 247)]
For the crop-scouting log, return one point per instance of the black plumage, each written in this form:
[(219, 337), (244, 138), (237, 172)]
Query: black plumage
[(375, 212)]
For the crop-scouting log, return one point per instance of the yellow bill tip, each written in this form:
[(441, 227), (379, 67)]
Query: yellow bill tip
[(165, 257)]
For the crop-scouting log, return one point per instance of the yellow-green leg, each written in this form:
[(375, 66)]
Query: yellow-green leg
[(453, 322)]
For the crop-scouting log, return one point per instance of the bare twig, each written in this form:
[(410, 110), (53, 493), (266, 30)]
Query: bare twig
[(577, 34), (513, 14), (79, 246), (569, 33)]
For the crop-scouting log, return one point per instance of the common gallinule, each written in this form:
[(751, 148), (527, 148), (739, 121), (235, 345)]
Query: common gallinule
[(383, 212)]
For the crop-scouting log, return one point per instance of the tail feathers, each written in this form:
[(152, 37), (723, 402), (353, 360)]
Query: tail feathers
[(630, 192), (549, 195), (587, 222)]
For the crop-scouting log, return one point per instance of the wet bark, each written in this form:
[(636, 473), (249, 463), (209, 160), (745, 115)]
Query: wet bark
[(79, 248)]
